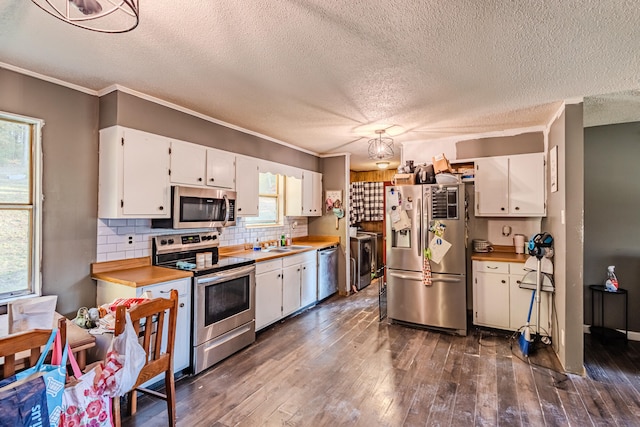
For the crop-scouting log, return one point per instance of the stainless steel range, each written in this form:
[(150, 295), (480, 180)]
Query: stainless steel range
[(223, 318)]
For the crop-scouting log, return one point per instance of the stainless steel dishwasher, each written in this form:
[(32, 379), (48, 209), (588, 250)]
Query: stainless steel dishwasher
[(327, 272)]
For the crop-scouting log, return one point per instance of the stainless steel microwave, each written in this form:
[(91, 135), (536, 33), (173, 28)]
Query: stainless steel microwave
[(194, 207)]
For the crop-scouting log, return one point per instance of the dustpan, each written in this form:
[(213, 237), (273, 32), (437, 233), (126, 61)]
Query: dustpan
[(532, 265)]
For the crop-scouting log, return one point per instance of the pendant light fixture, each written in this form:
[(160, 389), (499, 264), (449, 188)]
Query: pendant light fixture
[(382, 165), (381, 148), (103, 16)]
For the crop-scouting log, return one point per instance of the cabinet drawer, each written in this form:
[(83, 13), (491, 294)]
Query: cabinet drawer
[(164, 289), (491, 267), (517, 269), (298, 258), (266, 266)]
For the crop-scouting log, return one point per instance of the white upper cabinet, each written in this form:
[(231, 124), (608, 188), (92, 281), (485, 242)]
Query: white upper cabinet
[(133, 178), (247, 186), (303, 197), (221, 169), (526, 185), (510, 185), (311, 193), (188, 165)]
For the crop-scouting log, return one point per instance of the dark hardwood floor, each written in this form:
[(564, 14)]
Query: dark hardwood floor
[(336, 364)]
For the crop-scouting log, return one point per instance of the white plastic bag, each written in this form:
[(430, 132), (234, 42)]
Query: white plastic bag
[(125, 359)]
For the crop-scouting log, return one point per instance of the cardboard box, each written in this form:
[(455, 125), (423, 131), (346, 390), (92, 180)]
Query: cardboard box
[(441, 164), (404, 179)]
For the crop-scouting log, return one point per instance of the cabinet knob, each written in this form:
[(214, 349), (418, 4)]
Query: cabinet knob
[(161, 208), (212, 179), (519, 282), (181, 304), (503, 281), (239, 209), (199, 179), (501, 209), (517, 208)]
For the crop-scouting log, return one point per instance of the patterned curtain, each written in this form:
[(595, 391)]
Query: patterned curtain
[(366, 200)]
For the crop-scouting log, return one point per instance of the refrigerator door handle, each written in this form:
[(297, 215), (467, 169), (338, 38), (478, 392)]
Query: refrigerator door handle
[(446, 279), (420, 236), (417, 277)]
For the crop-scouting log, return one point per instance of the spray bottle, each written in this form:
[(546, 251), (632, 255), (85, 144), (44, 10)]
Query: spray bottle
[(611, 284)]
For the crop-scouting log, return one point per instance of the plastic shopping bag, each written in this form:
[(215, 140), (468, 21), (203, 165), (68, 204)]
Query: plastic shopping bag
[(52, 375), (83, 403), (24, 404), (125, 359)]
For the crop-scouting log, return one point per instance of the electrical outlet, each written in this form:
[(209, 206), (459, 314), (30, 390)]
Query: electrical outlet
[(562, 337), (130, 239)]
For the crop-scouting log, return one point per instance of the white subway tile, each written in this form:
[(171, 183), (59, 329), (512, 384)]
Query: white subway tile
[(113, 256), (126, 230), (106, 248), (117, 223), (101, 257)]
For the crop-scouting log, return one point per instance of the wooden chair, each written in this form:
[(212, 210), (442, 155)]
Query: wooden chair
[(29, 343), (159, 360)]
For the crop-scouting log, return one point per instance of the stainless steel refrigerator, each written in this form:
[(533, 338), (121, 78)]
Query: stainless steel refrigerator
[(410, 211)]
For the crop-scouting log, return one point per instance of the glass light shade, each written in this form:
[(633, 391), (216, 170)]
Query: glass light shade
[(382, 165), (380, 148)]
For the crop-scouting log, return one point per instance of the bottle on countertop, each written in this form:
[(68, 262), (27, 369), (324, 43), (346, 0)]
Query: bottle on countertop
[(256, 245), (288, 240), (283, 241), (611, 284)]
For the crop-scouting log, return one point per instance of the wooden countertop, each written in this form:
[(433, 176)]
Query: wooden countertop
[(135, 272), (500, 254), (315, 243)]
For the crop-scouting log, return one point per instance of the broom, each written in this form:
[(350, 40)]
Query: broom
[(525, 336)]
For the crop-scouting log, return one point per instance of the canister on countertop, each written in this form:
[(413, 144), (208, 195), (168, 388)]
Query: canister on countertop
[(208, 259), (200, 260), (518, 242)]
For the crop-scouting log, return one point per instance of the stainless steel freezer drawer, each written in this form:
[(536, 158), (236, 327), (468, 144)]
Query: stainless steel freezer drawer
[(442, 304)]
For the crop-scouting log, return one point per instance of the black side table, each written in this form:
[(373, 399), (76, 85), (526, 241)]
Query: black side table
[(600, 329)]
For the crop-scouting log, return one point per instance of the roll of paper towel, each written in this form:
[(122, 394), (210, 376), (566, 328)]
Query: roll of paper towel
[(518, 242)]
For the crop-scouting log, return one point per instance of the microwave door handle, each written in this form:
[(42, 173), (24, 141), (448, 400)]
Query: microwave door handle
[(226, 209)]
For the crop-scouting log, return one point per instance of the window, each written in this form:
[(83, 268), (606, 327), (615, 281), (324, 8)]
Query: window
[(270, 201), (19, 206)]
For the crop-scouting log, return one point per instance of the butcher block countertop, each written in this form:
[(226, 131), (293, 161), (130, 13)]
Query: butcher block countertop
[(500, 254), (315, 243), (135, 272)]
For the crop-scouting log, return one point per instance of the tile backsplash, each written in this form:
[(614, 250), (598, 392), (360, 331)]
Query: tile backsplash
[(526, 226), (131, 238)]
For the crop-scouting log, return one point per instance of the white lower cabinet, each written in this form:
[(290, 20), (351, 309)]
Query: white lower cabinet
[(498, 300), (284, 285), (109, 291)]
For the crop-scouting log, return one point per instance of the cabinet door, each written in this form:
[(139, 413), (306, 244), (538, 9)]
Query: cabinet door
[(527, 185), (309, 285), (268, 298), (221, 169), (492, 186), (293, 196), (145, 182), (491, 300), (311, 194), (188, 163), (291, 289), (182, 346), (247, 186)]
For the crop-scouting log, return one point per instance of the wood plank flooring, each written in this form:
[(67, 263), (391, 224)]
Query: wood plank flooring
[(336, 364)]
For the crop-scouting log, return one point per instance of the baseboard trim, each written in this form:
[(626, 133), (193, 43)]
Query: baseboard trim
[(633, 336)]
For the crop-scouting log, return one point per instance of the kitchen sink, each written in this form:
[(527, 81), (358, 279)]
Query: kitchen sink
[(296, 247), (278, 250)]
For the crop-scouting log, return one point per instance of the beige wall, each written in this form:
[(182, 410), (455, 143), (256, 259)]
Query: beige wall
[(137, 113), (70, 182), (531, 142), (566, 134)]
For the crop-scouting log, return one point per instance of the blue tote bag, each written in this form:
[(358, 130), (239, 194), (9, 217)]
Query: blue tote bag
[(20, 394)]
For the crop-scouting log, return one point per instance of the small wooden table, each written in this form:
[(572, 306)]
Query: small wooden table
[(80, 340)]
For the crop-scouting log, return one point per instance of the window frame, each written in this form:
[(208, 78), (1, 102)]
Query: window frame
[(35, 205), (279, 196)]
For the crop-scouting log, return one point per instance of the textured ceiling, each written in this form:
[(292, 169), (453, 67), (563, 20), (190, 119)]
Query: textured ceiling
[(323, 74)]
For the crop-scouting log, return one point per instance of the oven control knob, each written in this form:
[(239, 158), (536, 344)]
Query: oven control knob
[(171, 241), (163, 242)]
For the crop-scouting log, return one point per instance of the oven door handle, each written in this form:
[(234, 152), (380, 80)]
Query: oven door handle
[(227, 207), (216, 277)]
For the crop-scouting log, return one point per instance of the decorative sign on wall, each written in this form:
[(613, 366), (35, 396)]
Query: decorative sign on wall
[(331, 196)]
